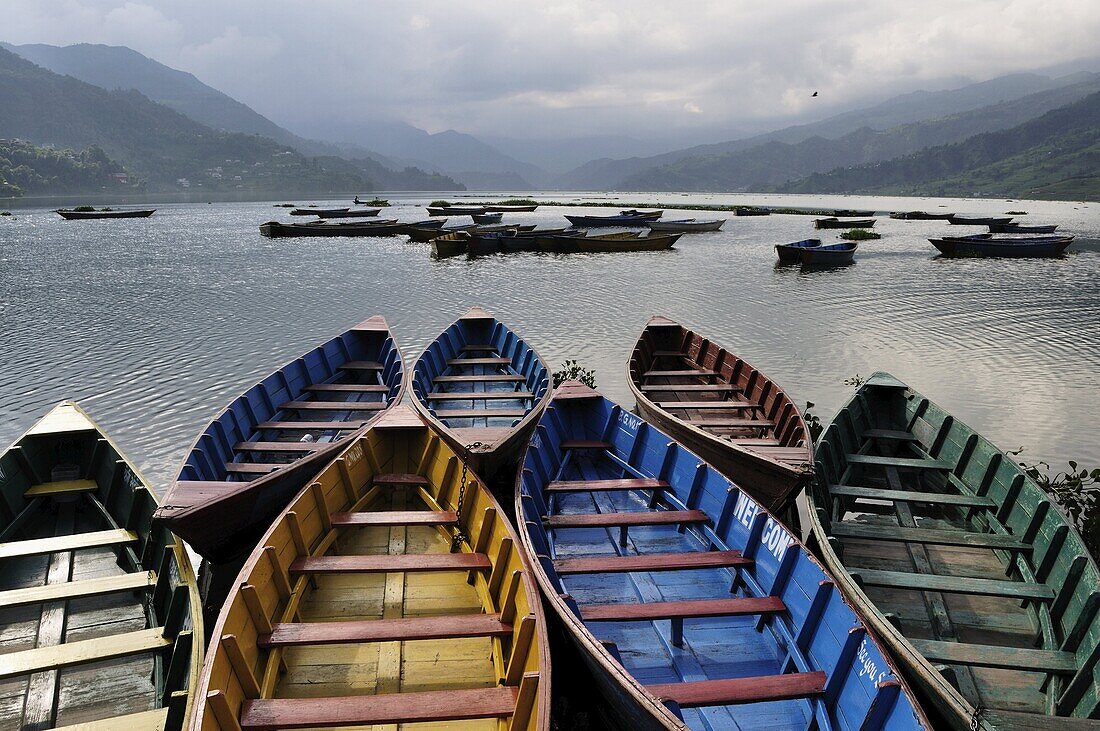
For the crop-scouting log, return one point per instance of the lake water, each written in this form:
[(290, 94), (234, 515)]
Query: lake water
[(155, 324)]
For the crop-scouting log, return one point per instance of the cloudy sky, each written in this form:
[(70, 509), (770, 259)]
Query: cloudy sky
[(560, 68)]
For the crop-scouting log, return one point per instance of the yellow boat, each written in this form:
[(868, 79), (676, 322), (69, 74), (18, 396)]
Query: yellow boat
[(100, 618), (392, 590)]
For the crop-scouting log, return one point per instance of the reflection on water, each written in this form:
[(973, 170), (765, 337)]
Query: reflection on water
[(155, 324)]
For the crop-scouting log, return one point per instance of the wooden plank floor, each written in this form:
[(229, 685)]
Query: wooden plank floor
[(89, 692), (390, 667)]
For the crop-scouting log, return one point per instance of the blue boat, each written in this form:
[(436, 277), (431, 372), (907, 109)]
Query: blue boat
[(830, 255), (693, 607), (1031, 247), (488, 242), (262, 449), (628, 220), (483, 388), (792, 253)]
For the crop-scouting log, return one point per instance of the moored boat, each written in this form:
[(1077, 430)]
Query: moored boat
[(455, 210), (687, 225), (70, 214), (839, 223), (102, 617), (647, 215), (568, 243), (921, 216), (977, 221), (848, 213), (1019, 228), (414, 229), (1028, 247), (258, 452), (483, 388), (487, 217), (751, 211), (488, 242), (529, 240), (723, 409), (626, 220), (792, 253), (277, 230), (507, 208), (390, 592), (350, 213), (692, 606), (313, 211), (828, 255), (452, 243), (979, 584)]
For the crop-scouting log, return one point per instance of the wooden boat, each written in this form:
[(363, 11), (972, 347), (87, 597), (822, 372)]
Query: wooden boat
[(691, 605), (569, 243), (101, 614), (415, 229), (390, 592), (648, 215), (837, 223), (350, 213), (921, 216), (455, 210), (792, 253), (313, 211), (849, 213), (1031, 247), (504, 208), (483, 388), (73, 215), (722, 408), (487, 217), (751, 211), (829, 255), (259, 451), (1019, 228), (450, 244), (480, 243), (529, 240), (973, 221), (603, 221), (687, 225), (975, 579), (277, 230)]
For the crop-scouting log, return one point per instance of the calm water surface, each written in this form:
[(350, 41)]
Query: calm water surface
[(155, 324)]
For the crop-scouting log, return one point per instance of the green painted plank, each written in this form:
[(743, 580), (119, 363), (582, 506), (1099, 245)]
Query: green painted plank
[(928, 535), (911, 496), (955, 584), (907, 462), (992, 656)]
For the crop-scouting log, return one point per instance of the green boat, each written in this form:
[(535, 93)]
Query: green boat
[(973, 576)]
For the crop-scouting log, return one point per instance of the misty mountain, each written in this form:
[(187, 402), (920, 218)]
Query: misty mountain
[(914, 107), (560, 155), (1056, 155)]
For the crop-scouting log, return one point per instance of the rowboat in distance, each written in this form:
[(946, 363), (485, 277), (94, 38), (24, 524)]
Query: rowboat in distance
[(391, 591), (573, 243), (970, 573), (482, 388), (792, 253), (70, 214), (1019, 228), (101, 612), (723, 409), (505, 208), (626, 220), (687, 225), (386, 227), (314, 211), (690, 604), (417, 227), (829, 255), (849, 213), (921, 216), (648, 215), (976, 221), (260, 450), (453, 243), (487, 217), (1029, 247), (839, 223), (751, 211), (455, 210), (350, 213)]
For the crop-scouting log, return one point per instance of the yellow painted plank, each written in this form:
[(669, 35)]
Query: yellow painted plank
[(79, 653), (37, 546), (61, 487), (78, 589), (145, 721)]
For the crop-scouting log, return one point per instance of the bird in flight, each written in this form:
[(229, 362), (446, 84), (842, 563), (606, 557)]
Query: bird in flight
[(814, 94)]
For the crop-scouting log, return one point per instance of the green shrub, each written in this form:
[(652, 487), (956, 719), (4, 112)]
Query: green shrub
[(440, 204), (860, 234)]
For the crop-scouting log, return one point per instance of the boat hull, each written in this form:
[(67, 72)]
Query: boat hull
[(792, 253), (608, 221), (973, 221), (69, 215), (828, 256), (985, 248), (686, 226), (350, 213), (832, 223), (276, 230)]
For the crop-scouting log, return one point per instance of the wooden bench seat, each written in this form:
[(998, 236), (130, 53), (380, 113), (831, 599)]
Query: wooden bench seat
[(478, 361), (289, 634), (1023, 721), (605, 485), (489, 378), (140, 581), (690, 609), (732, 423), (911, 496), (74, 542), (361, 365), (480, 413), (398, 478), (61, 487), (309, 425), (928, 535), (617, 520), (954, 584), (396, 517), (900, 436), (385, 708), (651, 562), (153, 720), (253, 468), (586, 444), (333, 406), (471, 395), (715, 387), (903, 462), (993, 656), (677, 374), (278, 446), (25, 662), (676, 405), (398, 563), (348, 388), (741, 690)]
